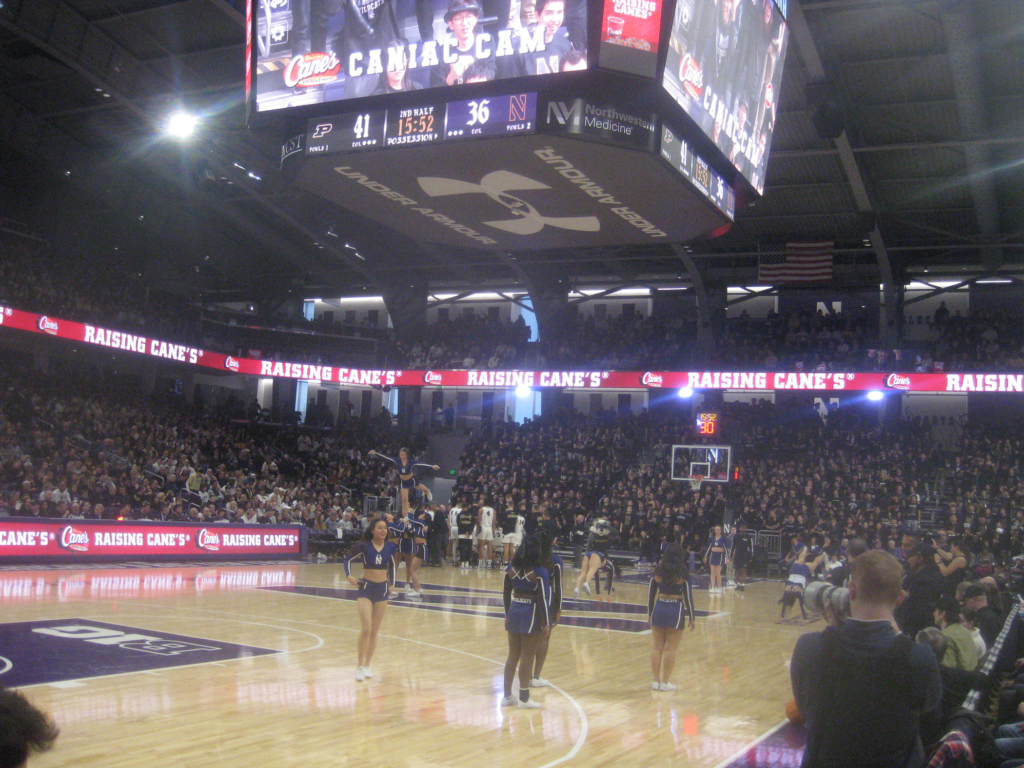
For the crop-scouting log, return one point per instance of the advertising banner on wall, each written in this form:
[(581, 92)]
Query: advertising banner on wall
[(45, 540), (629, 36), (750, 381)]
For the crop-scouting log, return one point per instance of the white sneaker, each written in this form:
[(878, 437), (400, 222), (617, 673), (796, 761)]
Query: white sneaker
[(587, 588), (360, 675), (410, 592), (539, 682), (367, 672), (655, 686), (531, 704), (667, 687), (576, 593), (508, 701)]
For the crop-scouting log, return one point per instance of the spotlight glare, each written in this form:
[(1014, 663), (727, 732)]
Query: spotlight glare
[(686, 392), (523, 391), (874, 395), (181, 125)]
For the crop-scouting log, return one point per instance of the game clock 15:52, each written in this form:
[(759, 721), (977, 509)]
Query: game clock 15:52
[(707, 424)]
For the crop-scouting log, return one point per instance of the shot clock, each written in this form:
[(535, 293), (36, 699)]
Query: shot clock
[(707, 424)]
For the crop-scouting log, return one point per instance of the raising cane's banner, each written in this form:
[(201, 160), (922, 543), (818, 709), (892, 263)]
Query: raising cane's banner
[(732, 380), (46, 540)]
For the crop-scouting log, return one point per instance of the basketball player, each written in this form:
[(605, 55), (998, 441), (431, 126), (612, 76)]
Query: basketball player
[(669, 603), (453, 531), (526, 601), (715, 556), (378, 555), (512, 527), (598, 543), (466, 528), (555, 565), (485, 532), (405, 468)]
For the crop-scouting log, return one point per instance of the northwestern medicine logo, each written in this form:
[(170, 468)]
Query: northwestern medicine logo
[(497, 185), (74, 539), (46, 325), (208, 541)]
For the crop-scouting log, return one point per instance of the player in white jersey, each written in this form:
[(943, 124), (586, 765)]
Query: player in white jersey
[(453, 531), (512, 527), (485, 532)]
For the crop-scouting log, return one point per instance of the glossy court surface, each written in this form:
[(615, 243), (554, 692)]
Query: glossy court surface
[(251, 665)]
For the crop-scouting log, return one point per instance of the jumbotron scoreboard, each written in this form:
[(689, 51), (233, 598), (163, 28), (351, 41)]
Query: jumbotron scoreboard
[(568, 123)]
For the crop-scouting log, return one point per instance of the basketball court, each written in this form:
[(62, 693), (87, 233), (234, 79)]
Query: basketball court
[(253, 664)]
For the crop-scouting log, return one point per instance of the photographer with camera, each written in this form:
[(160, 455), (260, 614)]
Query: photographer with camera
[(862, 686)]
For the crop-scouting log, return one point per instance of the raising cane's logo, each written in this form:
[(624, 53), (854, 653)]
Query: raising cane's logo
[(895, 381), (312, 69), (231, 364), (430, 377), (74, 539), (46, 325), (651, 379), (691, 77), (208, 541)]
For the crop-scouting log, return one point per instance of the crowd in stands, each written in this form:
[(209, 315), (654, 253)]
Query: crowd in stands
[(471, 341), (78, 451)]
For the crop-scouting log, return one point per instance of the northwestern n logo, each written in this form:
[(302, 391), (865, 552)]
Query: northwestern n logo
[(497, 185)]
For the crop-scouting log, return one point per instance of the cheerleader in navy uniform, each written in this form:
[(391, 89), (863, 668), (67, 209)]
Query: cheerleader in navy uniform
[(526, 618), (555, 565), (413, 549), (799, 572), (715, 556), (598, 543), (669, 606), (405, 468), (378, 555)]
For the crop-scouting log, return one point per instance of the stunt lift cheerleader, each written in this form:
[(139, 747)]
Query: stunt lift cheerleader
[(405, 473)]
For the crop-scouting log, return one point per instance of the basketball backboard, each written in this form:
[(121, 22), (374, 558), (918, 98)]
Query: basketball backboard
[(711, 462)]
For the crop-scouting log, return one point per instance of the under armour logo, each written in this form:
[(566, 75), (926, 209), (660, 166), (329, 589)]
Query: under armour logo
[(497, 185)]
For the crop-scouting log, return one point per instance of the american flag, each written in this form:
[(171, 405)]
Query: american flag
[(795, 263)]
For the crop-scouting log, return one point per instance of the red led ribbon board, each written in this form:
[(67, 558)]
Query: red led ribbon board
[(743, 381), (46, 540)]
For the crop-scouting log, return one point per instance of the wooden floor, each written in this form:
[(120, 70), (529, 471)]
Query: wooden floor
[(434, 697)]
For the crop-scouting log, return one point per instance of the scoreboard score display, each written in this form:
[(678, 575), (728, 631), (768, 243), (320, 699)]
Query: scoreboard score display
[(426, 124)]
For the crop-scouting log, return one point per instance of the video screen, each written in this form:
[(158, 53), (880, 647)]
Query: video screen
[(319, 51), (724, 67), (629, 36)]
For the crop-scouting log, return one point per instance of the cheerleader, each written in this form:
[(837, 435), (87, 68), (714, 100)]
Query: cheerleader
[(715, 556), (799, 572), (405, 473), (526, 618), (598, 543), (413, 548), (378, 555), (554, 563), (669, 604)]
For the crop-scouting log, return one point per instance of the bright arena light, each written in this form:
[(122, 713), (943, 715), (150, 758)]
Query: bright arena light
[(523, 391), (686, 392), (181, 125), (875, 395)]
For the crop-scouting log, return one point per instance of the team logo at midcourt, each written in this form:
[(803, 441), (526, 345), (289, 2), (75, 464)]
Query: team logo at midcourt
[(497, 185), (56, 650)]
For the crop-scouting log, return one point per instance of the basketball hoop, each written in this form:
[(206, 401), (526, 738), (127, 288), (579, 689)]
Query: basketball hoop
[(695, 482)]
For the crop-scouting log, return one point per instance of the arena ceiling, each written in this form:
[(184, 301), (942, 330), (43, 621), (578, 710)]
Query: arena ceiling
[(929, 172)]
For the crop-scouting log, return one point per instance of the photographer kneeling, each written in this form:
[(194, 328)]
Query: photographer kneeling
[(862, 686)]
